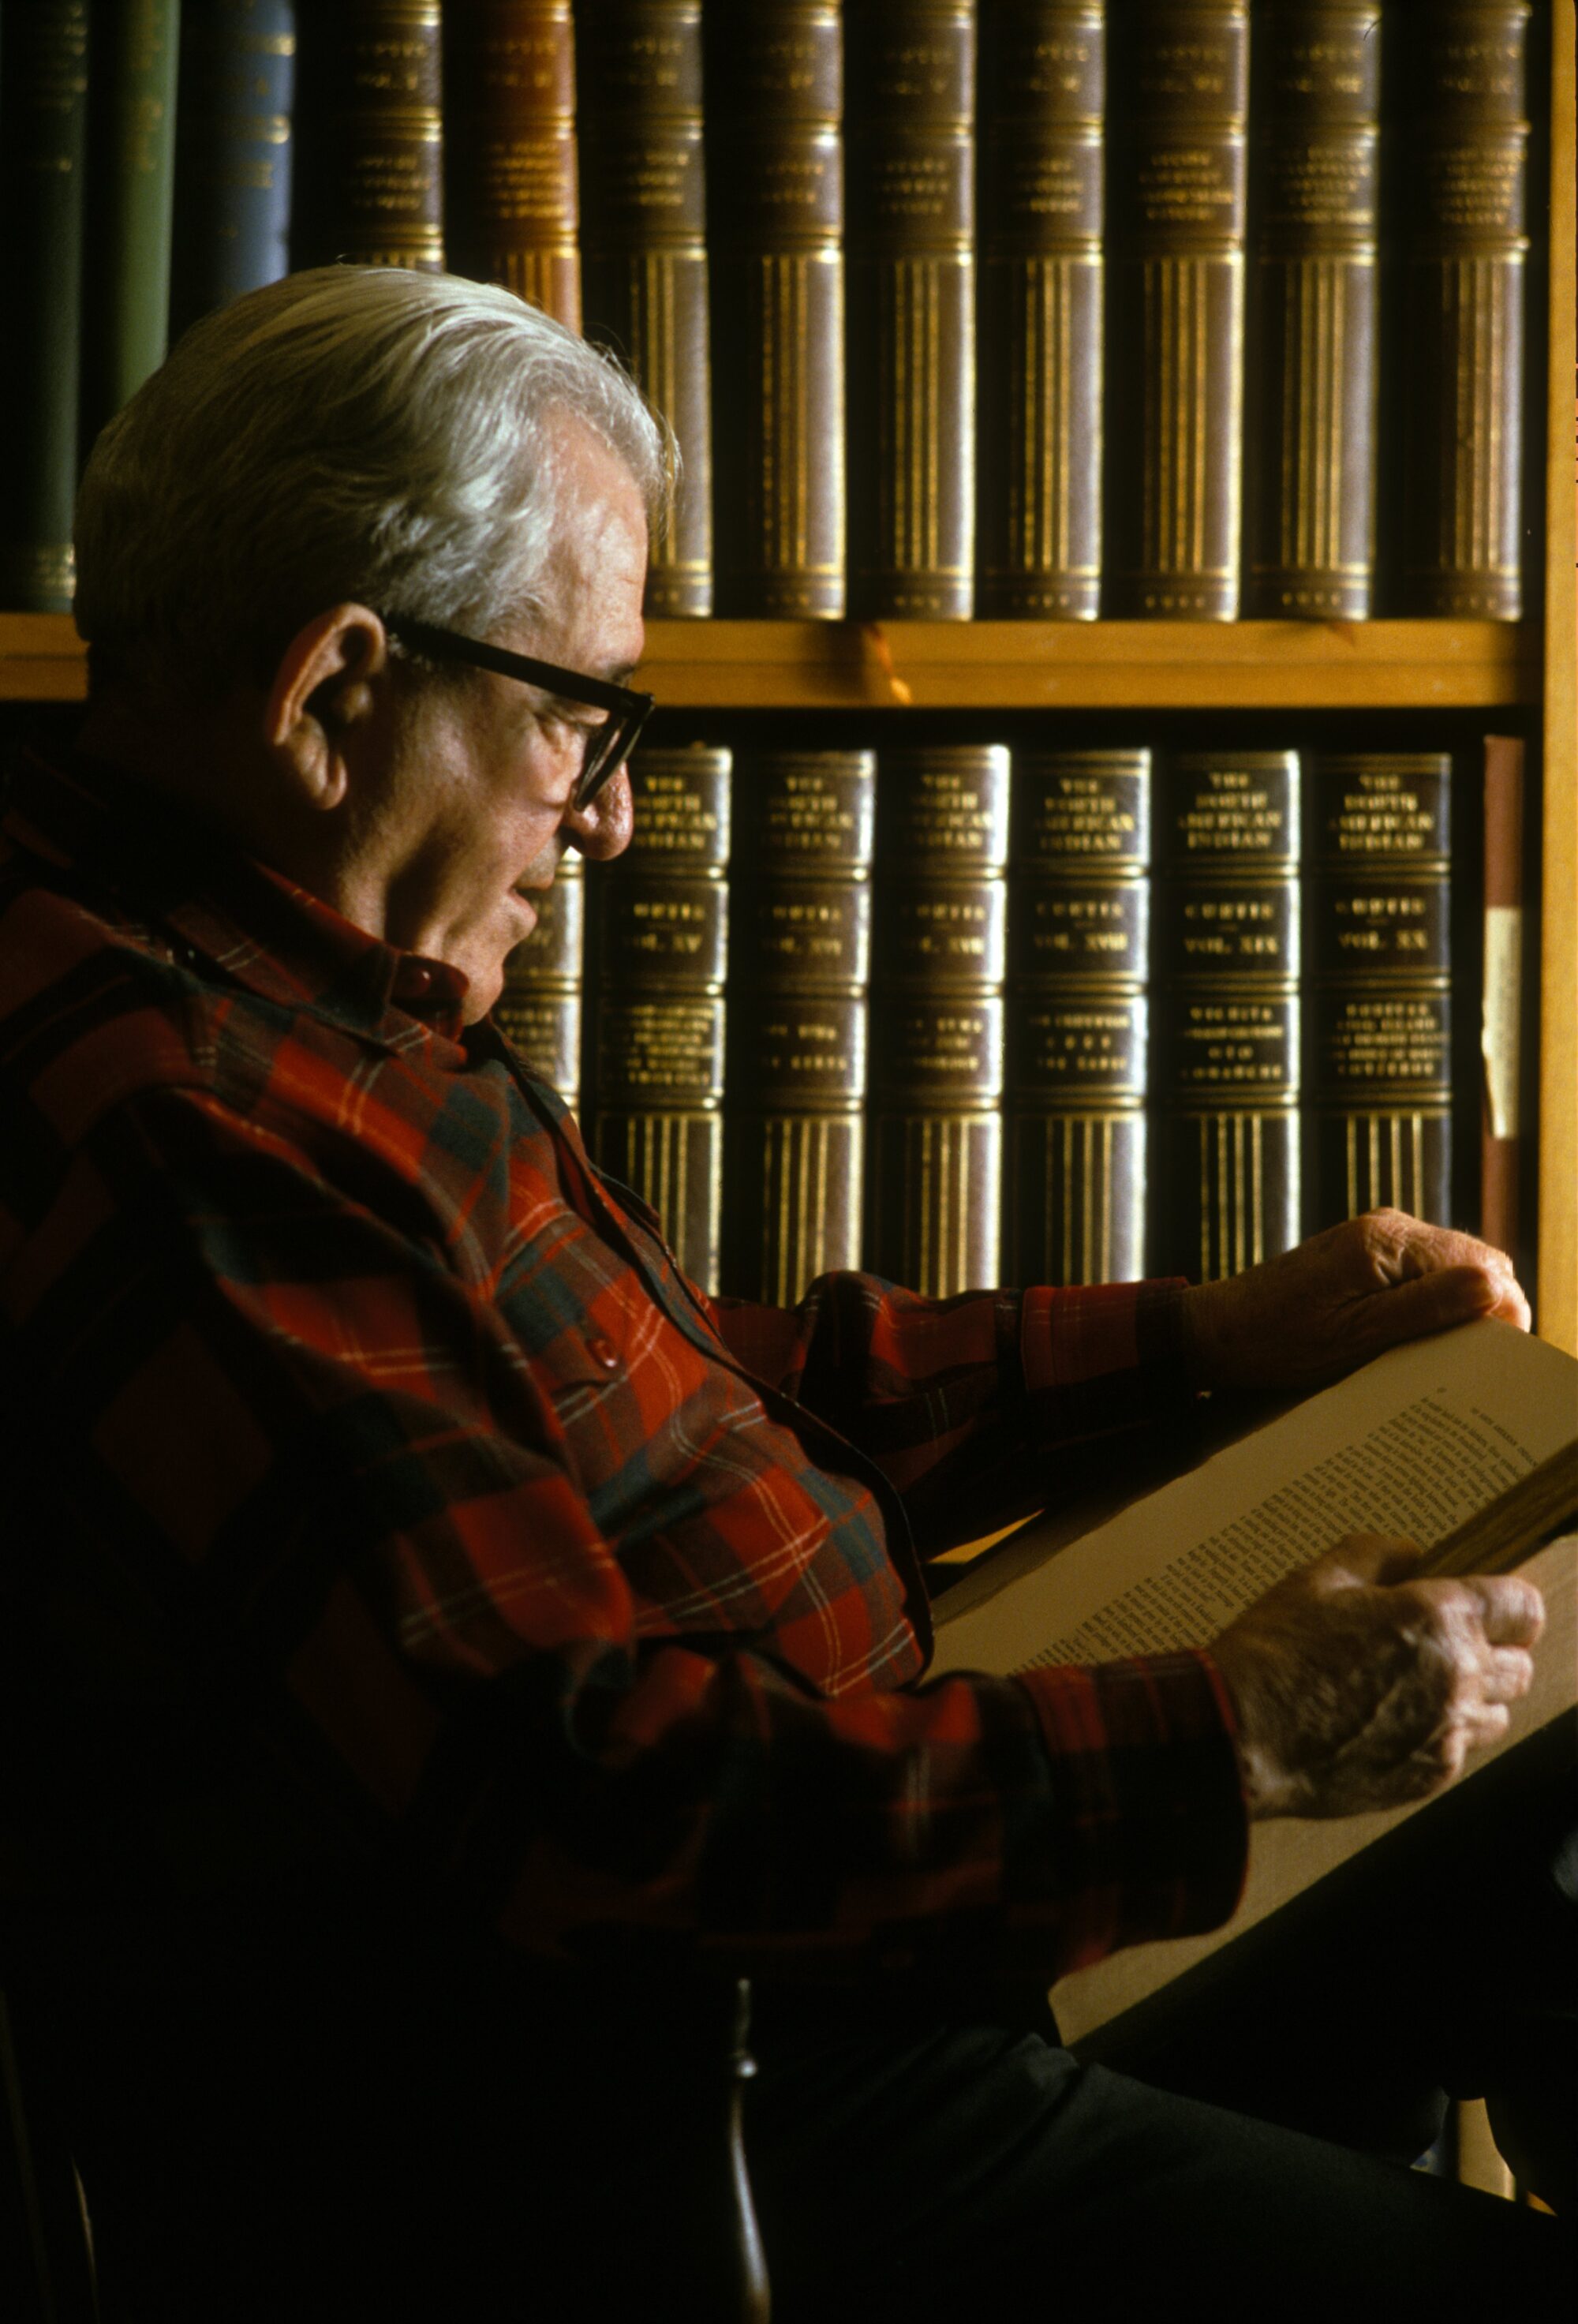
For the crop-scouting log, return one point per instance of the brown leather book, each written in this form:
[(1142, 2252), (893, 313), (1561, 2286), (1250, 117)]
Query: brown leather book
[(661, 919), (510, 152), (910, 117), (1314, 310), (934, 1182), (775, 226), (1078, 957), (644, 251), (1378, 966), (370, 116), (799, 970), (1175, 200), (1043, 92), (540, 1008), (1466, 263), (1224, 974)]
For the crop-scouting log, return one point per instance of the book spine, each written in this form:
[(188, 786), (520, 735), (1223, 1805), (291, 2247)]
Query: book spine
[(234, 154), (1225, 971), (934, 1186), (1466, 257), (1379, 970), (909, 80), (1079, 951), (1313, 298), (645, 264), (799, 971), (132, 196), (662, 946), (510, 200), (43, 150), (1043, 97), (1501, 1003), (539, 1008), (1177, 200), (775, 210), (372, 135)]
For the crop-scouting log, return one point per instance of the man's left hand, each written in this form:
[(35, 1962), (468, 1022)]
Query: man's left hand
[(1341, 1298)]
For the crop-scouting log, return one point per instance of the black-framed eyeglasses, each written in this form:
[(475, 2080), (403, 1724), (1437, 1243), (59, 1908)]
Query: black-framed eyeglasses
[(606, 748)]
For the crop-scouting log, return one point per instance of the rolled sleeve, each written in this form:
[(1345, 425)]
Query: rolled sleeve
[(1151, 1814)]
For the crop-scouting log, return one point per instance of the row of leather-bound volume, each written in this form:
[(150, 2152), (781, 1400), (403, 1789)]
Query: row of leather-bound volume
[(966, 1016), (1011, 308)]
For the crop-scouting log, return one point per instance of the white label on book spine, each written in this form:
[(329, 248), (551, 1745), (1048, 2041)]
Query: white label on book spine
[(1500, 1025)]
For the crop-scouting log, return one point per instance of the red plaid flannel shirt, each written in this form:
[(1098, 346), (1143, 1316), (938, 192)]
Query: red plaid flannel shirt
[(351, 1387)]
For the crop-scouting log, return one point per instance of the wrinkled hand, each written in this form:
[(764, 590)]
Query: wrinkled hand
[(1357, 1687), (1341, 1298)]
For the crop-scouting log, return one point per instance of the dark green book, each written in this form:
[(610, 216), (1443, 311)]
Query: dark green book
[(131, 201), (44, 145)]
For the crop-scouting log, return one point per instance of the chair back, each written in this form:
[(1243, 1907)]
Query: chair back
[(46, 2239)]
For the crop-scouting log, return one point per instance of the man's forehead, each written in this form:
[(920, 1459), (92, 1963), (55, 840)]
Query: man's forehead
[(594, 575)]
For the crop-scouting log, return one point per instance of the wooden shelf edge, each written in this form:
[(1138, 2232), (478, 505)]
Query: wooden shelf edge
[(1556, 1281), (725, 665)]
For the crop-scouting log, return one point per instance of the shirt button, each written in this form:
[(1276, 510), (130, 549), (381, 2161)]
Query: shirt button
[(603, 1351), (415, 980)]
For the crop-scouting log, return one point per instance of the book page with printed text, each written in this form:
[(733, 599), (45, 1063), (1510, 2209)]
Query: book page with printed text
[(1413, 1443)]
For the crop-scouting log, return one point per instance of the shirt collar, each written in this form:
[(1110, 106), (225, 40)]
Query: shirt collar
[(196, 894)]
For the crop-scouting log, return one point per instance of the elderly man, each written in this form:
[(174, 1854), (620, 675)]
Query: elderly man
[(438, 1632)]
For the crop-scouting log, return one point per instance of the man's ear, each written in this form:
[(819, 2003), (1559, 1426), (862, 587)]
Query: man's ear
[(323, 692)]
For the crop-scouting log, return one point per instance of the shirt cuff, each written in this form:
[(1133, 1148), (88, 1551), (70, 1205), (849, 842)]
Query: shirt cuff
[(1114, 1351), (1148, 1799)]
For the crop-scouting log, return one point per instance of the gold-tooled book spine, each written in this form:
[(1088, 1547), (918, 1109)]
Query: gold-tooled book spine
[(539, 1008), (43, 150), (371, 147), (1378, 964), (662, 940), (800, 972), (1078, 947), (1314, 310), (1225, 971), (1177, 186), (775, 210), (644, 253), (909, 118), (1038, 362), (935, 1175), (1467, 264), (510, 155)]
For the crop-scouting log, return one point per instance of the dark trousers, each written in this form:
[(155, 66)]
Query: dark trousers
[(1242, 2142), (384, 2127)]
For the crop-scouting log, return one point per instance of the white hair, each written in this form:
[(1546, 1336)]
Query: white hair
[(352, 432)]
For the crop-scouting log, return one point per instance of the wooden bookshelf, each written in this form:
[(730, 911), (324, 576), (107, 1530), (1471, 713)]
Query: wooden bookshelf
[(1557, 1276), (1149, 666), (1008, 665)]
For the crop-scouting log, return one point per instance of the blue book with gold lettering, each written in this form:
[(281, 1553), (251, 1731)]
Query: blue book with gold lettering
[(234, 152)]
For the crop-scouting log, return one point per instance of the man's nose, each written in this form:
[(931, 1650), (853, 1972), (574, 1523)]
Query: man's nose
[(603, 828)]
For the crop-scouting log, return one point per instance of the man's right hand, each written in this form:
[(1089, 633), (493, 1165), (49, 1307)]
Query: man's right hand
[(1358, 1685)]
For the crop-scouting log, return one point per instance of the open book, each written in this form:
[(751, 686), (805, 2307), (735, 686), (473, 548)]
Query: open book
[(1467, 1442)]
